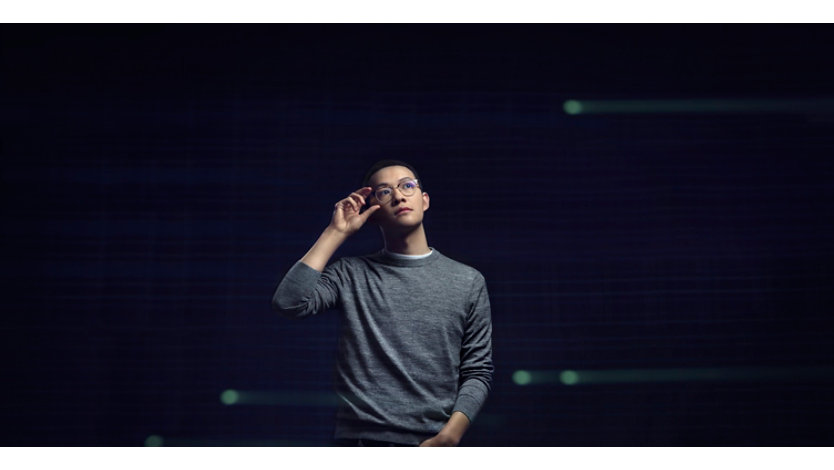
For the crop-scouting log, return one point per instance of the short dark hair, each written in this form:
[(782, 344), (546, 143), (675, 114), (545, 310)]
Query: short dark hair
[(366, 181)]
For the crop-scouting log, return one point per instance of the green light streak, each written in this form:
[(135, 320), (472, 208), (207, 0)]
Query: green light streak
[(223, 442), (574, 107), (271, 398), (522, 377), (154, 441), (569, 377), (229, 397), (718, 374)]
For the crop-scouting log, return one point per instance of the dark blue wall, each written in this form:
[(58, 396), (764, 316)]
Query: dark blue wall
[(158, 181)]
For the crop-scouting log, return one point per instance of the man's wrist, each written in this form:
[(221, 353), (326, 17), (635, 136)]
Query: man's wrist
[(455, 428), (328, 242), (335, 234), (450, 438)]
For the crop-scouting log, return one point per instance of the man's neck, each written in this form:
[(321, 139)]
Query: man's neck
[(409, 243)]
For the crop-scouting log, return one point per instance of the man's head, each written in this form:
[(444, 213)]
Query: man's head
[(399, 192)]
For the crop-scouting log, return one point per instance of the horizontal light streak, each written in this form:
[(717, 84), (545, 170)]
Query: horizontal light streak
[(575, 107), (158, 441), (278, 398), (719, 374)]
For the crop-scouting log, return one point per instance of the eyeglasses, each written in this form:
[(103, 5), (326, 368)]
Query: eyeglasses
[(407, 187)]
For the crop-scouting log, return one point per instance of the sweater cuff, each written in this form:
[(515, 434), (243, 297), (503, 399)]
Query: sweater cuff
[(471, 398), (301, 279)]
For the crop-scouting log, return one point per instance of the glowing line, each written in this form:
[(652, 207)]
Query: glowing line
[(720, 374), (522, 377), (158, 441), (574, 107), (273, 398)]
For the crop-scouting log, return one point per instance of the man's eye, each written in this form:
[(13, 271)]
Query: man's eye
[(383, 192), (409, 185)]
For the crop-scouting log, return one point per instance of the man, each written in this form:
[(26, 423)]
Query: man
[(415, 353)]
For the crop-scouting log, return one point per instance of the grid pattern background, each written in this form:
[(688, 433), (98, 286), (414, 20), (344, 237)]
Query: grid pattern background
[(158, 181)]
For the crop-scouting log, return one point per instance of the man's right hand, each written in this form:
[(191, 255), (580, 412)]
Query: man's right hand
[(348, 217)]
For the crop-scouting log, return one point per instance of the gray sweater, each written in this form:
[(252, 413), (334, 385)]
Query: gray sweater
[(415, 343)]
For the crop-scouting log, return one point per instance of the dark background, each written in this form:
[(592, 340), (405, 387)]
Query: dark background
[(159, 180)]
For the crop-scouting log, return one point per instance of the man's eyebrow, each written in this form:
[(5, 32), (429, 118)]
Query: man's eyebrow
[(398, 181)]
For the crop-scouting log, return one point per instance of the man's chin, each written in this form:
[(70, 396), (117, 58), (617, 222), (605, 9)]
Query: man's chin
[(401, 226)]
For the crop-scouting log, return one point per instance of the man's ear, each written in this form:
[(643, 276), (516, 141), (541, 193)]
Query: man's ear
[(425, 202)]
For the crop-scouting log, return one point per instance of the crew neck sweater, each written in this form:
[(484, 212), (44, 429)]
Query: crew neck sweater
[(415, 342), (404, 256)]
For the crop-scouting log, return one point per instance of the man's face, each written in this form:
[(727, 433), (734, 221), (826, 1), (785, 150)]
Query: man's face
[(400, 210)]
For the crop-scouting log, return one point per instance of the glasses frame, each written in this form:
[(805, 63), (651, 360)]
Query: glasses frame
[(398, 187)]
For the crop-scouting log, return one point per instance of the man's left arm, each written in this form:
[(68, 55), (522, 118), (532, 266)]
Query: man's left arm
[(451, 433), (475, 369)]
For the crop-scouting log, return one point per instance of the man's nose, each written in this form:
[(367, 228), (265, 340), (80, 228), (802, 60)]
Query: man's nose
[(394, 197)]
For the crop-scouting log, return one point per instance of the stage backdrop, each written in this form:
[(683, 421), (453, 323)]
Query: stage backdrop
[(650, 206)]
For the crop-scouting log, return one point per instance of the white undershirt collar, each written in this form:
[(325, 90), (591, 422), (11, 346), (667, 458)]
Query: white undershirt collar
[(402, 256)]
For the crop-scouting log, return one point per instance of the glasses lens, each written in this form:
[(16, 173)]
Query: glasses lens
[(383, 194), (407, 187)]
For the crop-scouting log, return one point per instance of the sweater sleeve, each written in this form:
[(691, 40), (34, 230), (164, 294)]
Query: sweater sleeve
[(306, 291), (476, 354)]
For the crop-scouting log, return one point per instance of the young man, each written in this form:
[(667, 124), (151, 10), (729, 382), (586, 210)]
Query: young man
[(415, 353)]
